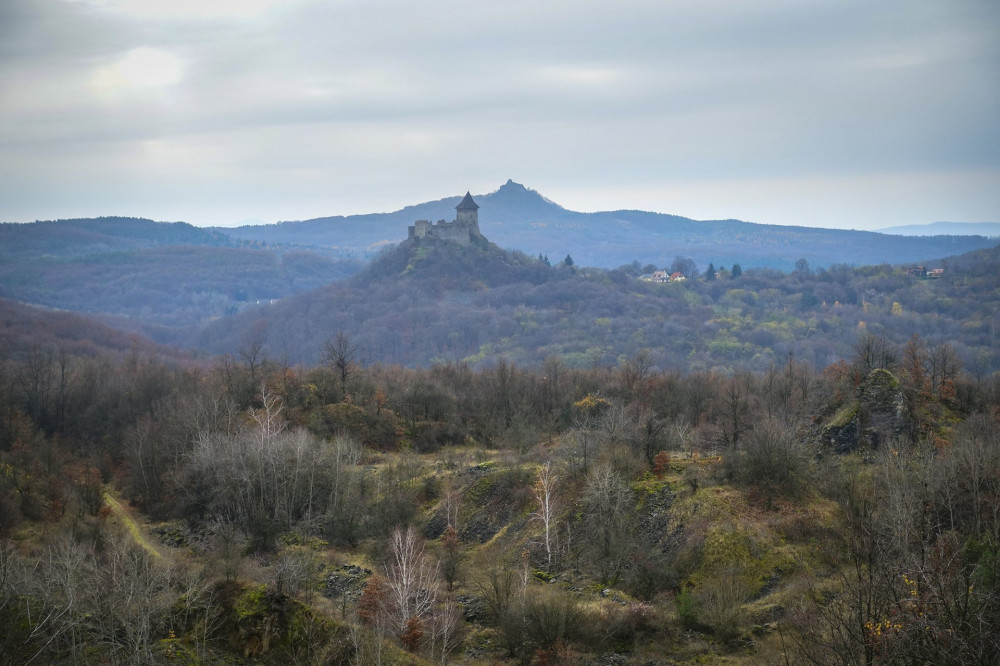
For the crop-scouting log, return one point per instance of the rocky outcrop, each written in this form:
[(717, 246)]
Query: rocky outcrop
[(347, 581), (876, 415)]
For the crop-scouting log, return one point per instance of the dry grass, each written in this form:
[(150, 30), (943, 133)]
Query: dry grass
[(121, 514)]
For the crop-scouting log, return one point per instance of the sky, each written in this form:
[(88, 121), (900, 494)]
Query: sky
[(831, 113)]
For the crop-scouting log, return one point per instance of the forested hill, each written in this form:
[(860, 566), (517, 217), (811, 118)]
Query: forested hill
[(430, 302), (520, 218), (32, 332), (157, 273), (443, 265), (82, 237)]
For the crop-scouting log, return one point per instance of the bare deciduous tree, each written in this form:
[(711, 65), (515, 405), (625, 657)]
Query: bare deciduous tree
[(338, 354), (134, 594), (874, 352), (545, 494), (413, 582), (452, 503), (266, 479), (609, 506), (943, 366), (42, 602), (445, 633), (635, 373), (735, 410)]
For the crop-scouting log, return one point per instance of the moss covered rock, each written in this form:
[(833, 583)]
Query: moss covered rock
[(877, 414)]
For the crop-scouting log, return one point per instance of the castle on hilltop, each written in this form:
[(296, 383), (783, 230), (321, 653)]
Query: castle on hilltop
[(462, 230)]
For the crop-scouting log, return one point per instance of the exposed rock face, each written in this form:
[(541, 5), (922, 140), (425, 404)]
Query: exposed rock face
[(882, 410), (877, 415), (842, 438), (347, 581), (436, 526)]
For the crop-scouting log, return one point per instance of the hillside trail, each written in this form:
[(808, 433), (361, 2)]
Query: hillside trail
[(135, 531)]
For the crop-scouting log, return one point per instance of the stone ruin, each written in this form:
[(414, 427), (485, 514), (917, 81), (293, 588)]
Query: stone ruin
[(464, 229)]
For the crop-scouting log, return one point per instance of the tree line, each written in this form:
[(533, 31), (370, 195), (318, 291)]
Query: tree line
[(417, 306)]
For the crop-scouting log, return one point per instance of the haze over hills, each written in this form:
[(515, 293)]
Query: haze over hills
[(159, 274), (171, 280), (987, 229), (516, 217), (428, 301)]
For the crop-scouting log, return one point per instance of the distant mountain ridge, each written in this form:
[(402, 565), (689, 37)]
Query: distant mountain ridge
[(421, 302), (987, 229), (517, 217), (157, 273), (86, 236)]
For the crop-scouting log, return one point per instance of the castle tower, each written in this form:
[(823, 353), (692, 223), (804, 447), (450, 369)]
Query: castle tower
[(467, 212), (464, 229), (420, 229)]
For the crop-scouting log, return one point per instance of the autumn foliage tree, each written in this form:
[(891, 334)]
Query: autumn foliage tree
[(660, 463)]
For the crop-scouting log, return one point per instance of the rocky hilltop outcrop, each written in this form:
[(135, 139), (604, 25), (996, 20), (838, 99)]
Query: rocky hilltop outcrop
[(876, 415)]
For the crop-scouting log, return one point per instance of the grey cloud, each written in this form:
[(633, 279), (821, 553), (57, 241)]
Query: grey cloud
[(618, 94)]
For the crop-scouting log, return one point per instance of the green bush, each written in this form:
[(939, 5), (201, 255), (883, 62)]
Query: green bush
[(687, 609)]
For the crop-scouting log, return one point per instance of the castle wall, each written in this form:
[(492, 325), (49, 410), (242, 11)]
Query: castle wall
[(461, 230), (419, 229), (457, 231)]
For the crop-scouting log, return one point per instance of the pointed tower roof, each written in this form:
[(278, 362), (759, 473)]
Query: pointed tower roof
[(467, 203)]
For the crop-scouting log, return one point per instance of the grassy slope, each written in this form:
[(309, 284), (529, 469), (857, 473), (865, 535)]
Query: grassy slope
[(123, 517), (775, 552)]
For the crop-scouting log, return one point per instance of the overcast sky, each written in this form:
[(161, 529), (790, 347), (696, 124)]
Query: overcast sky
[(836, 113)]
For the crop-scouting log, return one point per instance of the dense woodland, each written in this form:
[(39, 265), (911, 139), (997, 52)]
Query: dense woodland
[(419, 304), (159, 510)]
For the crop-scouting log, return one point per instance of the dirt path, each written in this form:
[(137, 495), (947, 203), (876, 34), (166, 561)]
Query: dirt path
[(133, 528)]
